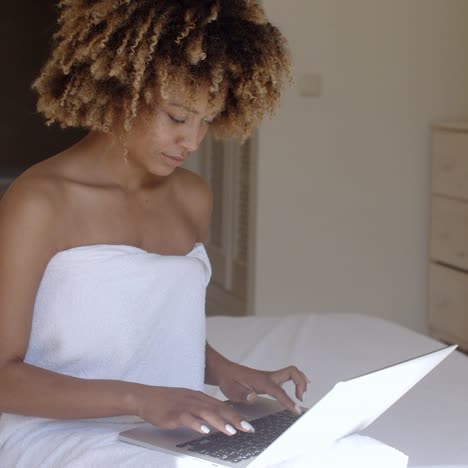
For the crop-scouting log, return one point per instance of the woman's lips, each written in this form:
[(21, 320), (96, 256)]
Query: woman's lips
[(173, 160)]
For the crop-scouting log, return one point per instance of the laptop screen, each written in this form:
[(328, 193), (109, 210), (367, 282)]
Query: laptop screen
[(351, 406)]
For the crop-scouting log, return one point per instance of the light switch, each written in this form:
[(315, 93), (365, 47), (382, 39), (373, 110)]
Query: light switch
[(310, 85)]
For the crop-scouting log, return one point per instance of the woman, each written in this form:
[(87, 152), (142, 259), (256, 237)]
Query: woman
[(102, 267)]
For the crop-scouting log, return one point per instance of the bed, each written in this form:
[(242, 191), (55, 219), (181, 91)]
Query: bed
[(429, 424)]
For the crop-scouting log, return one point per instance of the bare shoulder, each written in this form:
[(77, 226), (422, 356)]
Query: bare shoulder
[(31, 202), (197, 198), (33, 187), (192, 184)]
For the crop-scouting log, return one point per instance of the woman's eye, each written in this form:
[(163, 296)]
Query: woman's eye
[(176, 120)]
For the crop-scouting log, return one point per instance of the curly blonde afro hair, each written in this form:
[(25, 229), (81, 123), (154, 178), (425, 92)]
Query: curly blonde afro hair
[(110, 56)]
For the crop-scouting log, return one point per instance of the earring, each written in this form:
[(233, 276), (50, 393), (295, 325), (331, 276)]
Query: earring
[(123, 144), (125, 154)]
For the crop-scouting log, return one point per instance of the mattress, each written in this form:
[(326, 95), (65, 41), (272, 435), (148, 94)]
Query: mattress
[(429, 423)]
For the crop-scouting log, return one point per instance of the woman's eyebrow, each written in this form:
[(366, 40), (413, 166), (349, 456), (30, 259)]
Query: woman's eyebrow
[(188, 109)]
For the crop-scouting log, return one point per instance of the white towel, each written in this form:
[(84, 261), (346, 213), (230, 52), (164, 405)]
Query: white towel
[(110, 312)]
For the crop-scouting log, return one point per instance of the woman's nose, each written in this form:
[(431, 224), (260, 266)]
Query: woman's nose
[(191, 138)]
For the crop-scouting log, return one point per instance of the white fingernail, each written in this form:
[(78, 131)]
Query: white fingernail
[(230, 429), (205, 429), (251, 396), (304, 395), (247, 426), (297, 409)]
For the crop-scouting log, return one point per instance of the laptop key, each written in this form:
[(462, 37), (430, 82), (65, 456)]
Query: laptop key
[(243, 445)]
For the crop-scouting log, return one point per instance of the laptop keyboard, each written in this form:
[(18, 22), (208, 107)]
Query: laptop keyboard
[(243, 445)]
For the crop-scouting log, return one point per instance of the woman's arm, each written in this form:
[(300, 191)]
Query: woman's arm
[(32, 391), (29, 236), (215, 366)]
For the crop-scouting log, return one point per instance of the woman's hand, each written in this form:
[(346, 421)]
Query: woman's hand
[(240, 383), (170, 408), (243, 384)]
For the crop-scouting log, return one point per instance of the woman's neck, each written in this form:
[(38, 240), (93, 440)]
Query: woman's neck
[(105, 155)]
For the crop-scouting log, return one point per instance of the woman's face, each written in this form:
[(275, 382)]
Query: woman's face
[(160, 142)]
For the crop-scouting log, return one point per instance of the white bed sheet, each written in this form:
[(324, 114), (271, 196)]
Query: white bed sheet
[(429, 424)]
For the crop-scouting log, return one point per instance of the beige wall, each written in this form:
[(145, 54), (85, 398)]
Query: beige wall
[(343, 179)]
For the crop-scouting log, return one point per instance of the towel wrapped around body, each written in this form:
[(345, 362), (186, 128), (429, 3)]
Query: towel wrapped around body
[(110, 312), (119, 312)]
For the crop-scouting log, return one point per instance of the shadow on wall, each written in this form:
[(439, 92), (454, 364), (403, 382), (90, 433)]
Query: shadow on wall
[(26, 28)]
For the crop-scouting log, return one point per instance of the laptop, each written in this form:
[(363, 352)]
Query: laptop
[(349, 407)]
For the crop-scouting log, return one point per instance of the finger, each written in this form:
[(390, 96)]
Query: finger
[(240, 392), (279, 394), (223, 417), (301, 382), (193, 423), (306, 385), (220, 415), (251, 397), (235, 419), (218, 422), (292, 373)]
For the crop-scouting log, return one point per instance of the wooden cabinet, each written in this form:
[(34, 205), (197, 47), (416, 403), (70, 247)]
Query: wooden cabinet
[(448, 313)]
